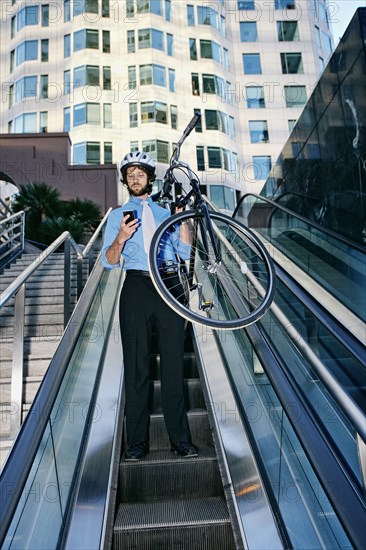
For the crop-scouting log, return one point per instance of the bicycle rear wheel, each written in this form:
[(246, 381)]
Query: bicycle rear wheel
[(227, 294)]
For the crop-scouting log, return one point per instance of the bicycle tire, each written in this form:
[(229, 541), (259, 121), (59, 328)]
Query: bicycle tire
[(230, 295)]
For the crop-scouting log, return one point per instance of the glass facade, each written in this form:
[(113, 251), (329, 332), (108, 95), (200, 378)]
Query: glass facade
[(320, 172)]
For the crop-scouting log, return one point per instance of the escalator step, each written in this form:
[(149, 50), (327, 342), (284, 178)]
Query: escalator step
[(201, 523), (161, 475), (198, 424)]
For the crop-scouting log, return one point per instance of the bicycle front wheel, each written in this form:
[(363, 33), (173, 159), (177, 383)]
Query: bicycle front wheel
[(229, 289)]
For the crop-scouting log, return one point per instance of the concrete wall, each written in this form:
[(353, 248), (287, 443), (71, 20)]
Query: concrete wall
[(44, 158)]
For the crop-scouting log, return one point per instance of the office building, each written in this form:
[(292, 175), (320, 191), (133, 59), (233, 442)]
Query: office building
[(121, 75)]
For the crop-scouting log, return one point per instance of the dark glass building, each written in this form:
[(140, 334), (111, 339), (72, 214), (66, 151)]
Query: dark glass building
[(321, 172)]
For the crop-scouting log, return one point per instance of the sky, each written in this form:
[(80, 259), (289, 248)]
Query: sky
[(341, 12)]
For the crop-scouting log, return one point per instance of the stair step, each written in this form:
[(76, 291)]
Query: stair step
[(162, 474), (190, 366), (195, 524)]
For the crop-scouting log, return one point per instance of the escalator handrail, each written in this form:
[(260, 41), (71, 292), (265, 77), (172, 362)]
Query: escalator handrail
[(300, 217), (20, 460), (322, 455)]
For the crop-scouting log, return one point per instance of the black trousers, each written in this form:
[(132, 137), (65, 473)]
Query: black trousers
[(142, 311)]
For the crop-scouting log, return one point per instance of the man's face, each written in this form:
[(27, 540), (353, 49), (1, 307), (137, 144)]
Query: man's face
[(137, 181)]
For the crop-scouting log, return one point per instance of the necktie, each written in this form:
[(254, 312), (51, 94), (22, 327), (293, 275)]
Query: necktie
[(148, 225)]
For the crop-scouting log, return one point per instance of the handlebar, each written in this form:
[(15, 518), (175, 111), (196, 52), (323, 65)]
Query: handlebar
[(191, 125)]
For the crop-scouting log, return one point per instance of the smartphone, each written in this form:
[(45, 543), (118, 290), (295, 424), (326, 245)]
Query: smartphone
[(131, 215)]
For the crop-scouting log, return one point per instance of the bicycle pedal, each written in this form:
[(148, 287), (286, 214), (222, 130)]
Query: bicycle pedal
[(207, 306)]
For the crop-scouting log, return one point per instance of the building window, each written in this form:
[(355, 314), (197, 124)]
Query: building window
[(326, 42), (67, 121), (133, 115), (67, 11), (43, 122), (152, 74), (107, 115), (45, 15), (255, 97), (262, 167), (25, 123), (86, 75), (87, 152), (149, 6), (206, 15), (86, 38), (25, 87), (11, 96), (27, 16), (157, 149), (190, 15), (200, 157), (67, 45), (192, 49), (258, 131), (246, 5), (171, 80), (132, 77), (106, 42), (248, 32), (12, 58), (195, 84), (285, 4), (131, 41), (154, 111), (107, 152), (44, 86), (209, 49), (44, 49), (168, 10), (12, 26), (86, 113), (174, 116), (216, 120), (27, 51), (134, 146), (287, 31), (223, 197), (169, 44), (85, 6), (292, 63), (212, 84), (67, 83), (150, 38), (295, 96), (198, 127), (105, 8), (107, 78), (252, 63), (218, 157), (291, 123)]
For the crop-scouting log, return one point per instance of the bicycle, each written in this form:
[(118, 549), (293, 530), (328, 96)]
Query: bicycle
[(229, 280)]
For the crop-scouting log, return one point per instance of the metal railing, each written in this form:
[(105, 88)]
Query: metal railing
[(11, 237), (17, 289)]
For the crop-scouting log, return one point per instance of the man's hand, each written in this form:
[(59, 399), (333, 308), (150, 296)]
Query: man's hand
[(126, 230)]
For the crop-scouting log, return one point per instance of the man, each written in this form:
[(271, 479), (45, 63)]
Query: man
[(142, 310)]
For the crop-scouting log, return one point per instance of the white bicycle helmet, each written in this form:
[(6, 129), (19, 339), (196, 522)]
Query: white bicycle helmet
[(138, 158)]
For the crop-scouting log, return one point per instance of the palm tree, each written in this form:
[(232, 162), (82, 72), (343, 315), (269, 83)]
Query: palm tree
[(52, 228), (84, 211), (39, 201), (47, 216)]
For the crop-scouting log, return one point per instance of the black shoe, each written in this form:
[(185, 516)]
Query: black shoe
[(137, 450), (184, 448)]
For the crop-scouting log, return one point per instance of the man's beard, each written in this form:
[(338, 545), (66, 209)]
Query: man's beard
[(138, 192)]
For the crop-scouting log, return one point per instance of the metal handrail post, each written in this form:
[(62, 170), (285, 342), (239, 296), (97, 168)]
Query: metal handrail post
[(17, 371), (67, 281)]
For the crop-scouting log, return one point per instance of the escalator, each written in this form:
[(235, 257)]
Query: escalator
[(166, 501), (278, 414)]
